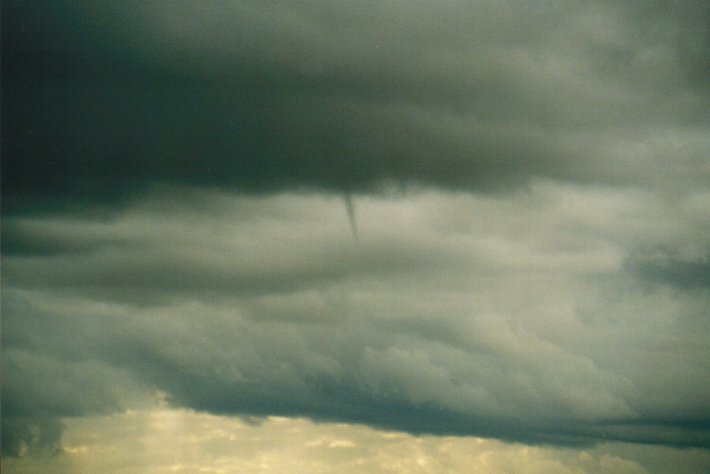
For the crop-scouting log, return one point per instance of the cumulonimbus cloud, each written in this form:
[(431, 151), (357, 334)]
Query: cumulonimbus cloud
[(172, 186), (103, 100), (257, 306)]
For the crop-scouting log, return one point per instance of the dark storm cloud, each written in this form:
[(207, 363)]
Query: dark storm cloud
[(49, 372), (101, 99), (453, 313), (497, 333), (353, 373), (35, 436), (110, 256), (678, 273)]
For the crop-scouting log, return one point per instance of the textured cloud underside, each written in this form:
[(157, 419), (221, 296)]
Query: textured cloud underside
[(469, 218)]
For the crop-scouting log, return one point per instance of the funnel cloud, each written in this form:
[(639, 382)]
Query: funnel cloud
[(350, 209)]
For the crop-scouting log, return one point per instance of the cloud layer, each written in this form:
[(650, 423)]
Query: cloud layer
[(473, 95), (525, 317), (466, 218), (168, 441)]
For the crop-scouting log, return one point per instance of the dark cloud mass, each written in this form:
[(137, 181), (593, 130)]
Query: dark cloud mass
[(106, 99), (475, 218)]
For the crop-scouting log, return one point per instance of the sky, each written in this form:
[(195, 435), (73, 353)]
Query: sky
[(366, 236)]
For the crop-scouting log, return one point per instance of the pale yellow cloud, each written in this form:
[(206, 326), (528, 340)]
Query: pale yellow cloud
[(166, 440)]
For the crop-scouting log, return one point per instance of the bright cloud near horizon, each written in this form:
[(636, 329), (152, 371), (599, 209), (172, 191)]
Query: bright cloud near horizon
[(363, 237)]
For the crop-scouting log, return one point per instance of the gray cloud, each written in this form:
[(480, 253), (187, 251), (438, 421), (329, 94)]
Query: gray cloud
[(264, 97), (34, 436), (172, 183), (500, 332), (685, 274)]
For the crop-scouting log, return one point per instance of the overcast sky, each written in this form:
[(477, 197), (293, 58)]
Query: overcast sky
[(450, 222)]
